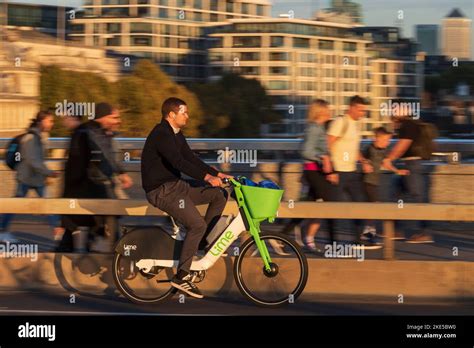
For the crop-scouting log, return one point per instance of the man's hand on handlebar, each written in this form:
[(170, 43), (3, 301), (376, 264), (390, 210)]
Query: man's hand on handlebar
[(215, 181), (224, 176)]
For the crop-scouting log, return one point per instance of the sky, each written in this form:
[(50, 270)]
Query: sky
[(375, 12)]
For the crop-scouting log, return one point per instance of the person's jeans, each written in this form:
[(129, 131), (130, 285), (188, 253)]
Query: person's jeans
[(179, 200), (412, 187), (349, 189), (22, 191)]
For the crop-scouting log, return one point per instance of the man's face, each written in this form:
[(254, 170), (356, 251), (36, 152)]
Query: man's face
[(357, 111), (111, 122), (181, 117)]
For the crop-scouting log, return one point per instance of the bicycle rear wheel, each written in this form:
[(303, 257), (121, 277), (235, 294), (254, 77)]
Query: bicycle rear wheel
[(141, 287), (283, 284)]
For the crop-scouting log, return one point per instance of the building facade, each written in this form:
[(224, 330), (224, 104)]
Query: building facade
[(51, 20), (296, 61), (169, 32), (22, 53)]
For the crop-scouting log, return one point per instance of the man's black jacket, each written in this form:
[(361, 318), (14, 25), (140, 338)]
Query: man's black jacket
[(166, 155)]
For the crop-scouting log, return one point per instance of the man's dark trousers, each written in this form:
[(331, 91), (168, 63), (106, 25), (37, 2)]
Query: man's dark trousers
[(179, 199)]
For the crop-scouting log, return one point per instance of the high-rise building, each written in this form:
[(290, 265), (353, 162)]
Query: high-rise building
[(428, 38), (456, 35), (169, 32)]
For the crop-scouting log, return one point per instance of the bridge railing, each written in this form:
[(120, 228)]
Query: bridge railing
[(387, 212)]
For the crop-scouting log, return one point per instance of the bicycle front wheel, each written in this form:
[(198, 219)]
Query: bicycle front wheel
[(286, 280)]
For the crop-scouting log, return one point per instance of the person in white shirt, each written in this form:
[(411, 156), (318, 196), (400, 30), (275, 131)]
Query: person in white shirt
[(344, 137)]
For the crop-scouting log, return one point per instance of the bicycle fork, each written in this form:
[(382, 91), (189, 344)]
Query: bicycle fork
[(261, 246)]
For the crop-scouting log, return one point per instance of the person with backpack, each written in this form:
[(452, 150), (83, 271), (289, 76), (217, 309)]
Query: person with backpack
[(26, 155), (415, 144), (344, 137)]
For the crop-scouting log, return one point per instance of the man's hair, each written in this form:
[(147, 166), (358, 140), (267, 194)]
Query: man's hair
[(103, 109), (357, 100), (171, 104), (381, 131)]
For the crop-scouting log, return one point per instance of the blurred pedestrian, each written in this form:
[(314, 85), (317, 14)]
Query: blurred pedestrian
[(344, 137), (32, 172), (375, 153), (91, 169), (414, 145), (318, 171)]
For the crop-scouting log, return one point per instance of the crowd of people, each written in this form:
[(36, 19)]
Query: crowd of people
[(332, 151), (93, 169)]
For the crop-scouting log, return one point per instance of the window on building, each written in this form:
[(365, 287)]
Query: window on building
[(277, 41), (329, 73), (259, 10), (278, 70), (249, 70), (250, 56), (144, 12), (300, 42), (326, 45), (329, 59), (141, 28), (349, 46), (307, 85), (163, 13), (115, 41), (308, 72), (141, 41), (308, 58), (115, 11), (278, 85), (245, 8), (113, 28), (214, 5), (246, 41), (229, 6), (279, 56)]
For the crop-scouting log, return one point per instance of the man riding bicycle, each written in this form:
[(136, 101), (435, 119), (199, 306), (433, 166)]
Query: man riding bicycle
[(165, 156)]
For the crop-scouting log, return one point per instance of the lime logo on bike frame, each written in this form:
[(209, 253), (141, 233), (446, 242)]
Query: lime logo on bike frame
[(222, 243)]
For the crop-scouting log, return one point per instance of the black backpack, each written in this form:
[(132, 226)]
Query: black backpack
[(13, 154), (424, 145)]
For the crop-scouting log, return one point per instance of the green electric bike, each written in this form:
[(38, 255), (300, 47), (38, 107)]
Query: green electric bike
[(145, 258)]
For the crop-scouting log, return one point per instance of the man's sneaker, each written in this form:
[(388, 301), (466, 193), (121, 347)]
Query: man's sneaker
[(186, 286), (420, 238)]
